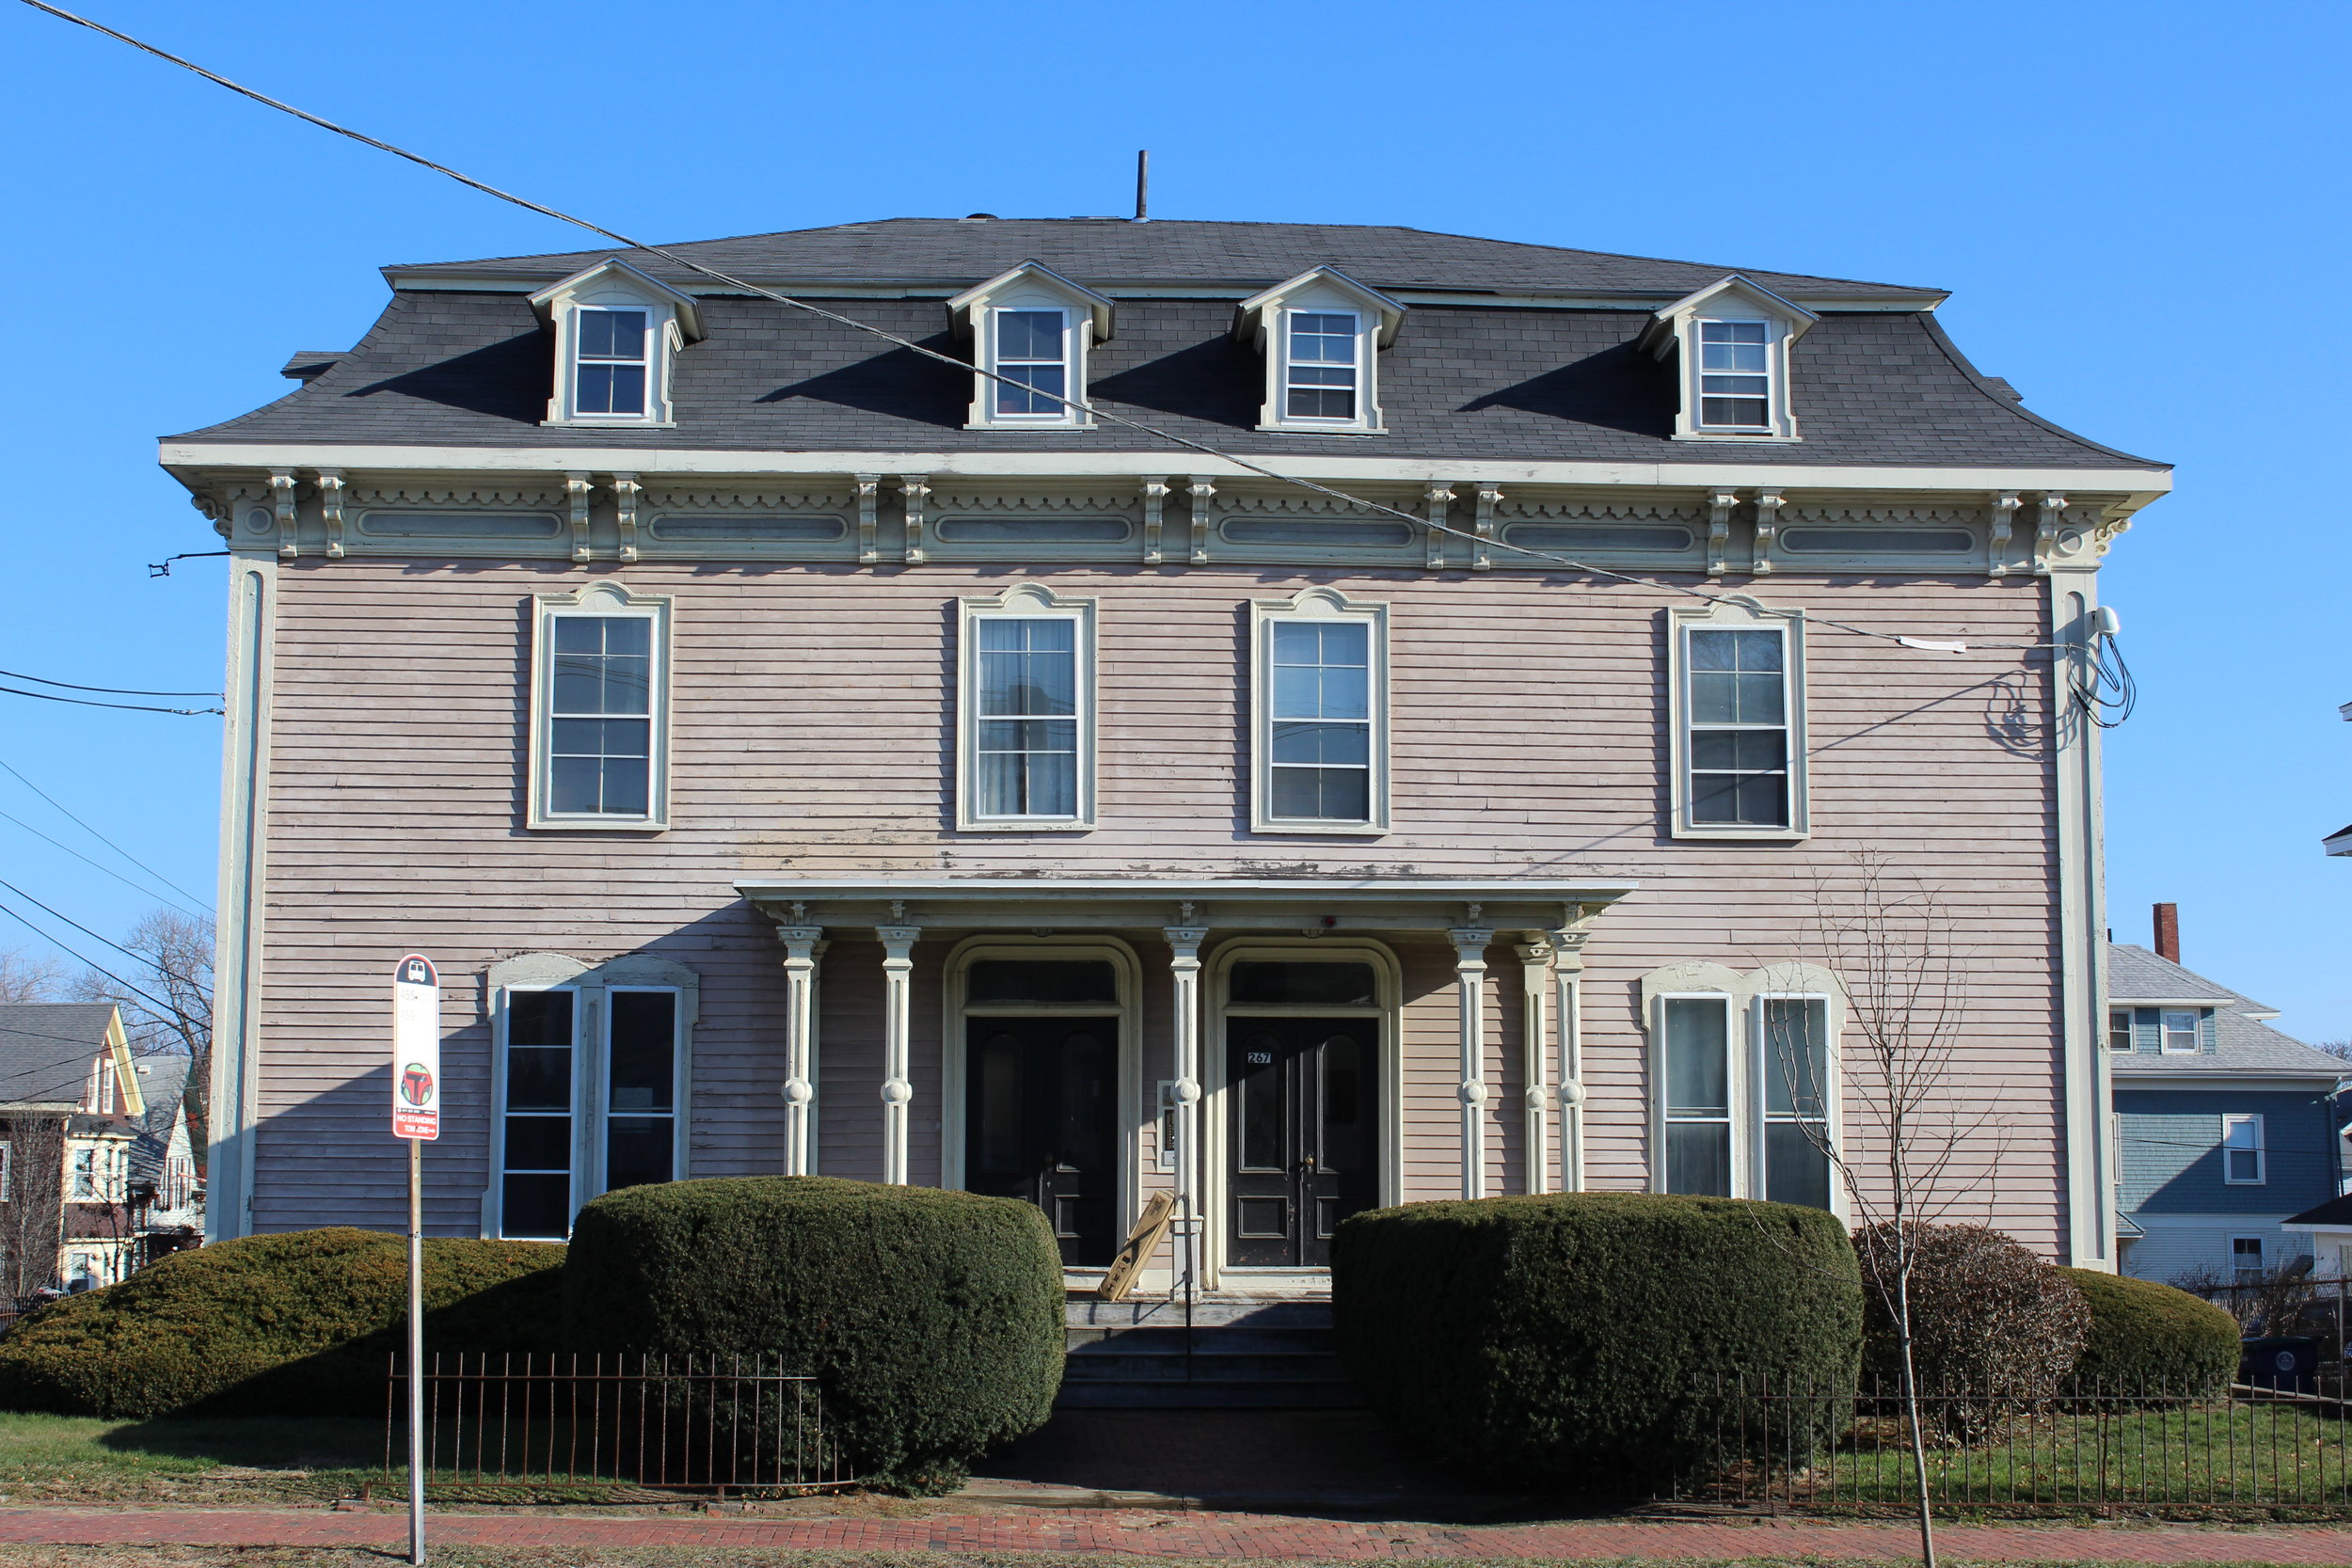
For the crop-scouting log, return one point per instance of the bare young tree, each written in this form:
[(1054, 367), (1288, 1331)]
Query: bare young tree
[(1911, 1145), (32, 1217), (26, 978)]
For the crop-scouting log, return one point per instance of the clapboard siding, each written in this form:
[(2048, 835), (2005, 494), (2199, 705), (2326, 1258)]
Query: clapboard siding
[(811, 733)]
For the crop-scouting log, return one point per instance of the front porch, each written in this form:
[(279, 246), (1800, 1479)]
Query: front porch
[(1273, 1054)]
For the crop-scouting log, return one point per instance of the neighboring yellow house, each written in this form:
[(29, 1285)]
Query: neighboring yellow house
[(69, 1095)]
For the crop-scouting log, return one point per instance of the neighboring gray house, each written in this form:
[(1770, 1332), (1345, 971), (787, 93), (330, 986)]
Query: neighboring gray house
[(2225, 1128), (164, 1186)]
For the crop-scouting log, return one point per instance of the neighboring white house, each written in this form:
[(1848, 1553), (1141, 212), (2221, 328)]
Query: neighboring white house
[(164, 1186)]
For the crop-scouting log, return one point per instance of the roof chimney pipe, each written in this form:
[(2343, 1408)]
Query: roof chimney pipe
[(2169, 932), (1143, 186)]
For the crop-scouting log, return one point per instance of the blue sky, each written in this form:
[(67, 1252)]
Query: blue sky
[(2140, 210)]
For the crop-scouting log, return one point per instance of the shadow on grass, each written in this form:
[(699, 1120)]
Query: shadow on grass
[(258, 1442)]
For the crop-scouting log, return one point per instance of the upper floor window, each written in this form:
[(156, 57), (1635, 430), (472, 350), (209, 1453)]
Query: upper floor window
[(618, 334), (1026, 729), (599, 741), (1320, 365), (1738, 719), (2180, 1032), (1320, 333), (2242, 1151), (1320, 741), (85, 1174), (2118, 1029), (2166, 1031), (610, 351), (1729, 345), (1032, 328)]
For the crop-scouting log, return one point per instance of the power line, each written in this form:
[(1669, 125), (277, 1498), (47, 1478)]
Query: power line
[(128, 707), (1077, 403), (163, 1008), (109, 690), (98, 866), (100, 837), (53, 914)]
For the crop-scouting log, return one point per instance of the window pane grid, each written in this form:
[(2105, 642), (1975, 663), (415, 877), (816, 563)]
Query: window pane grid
[(1030, 350), (1024, 744), (612, 354), (1734, 376), (1320, 366), (1737, 717), (537, 1180), (1319, 721), (1794, 1055), (1698, 1096), (599, 715)]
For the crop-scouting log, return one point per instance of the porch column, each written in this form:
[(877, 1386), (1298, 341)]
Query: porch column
[(897, 1093), (1567, 978), (1184, 969), (1470, 977), (800, 946), (1535, 1045)]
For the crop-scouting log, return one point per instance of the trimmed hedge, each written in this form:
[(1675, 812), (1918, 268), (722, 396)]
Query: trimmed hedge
[(298, 1323), (932, 1319), (2151, 1338), (1563, 1339)]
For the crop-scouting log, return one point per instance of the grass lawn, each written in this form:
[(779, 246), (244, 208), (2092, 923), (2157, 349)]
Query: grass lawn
[(77, 1459)]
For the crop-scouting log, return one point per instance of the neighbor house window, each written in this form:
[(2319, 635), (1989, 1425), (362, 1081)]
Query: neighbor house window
[(611, 354), (105, 1087), (85, 1173), (1738, 702), (2242, 1151), (7, 1172), (1320, 357), (2118, 1029), (600, 724), (589, 1097), (1792, 1056), (1027, 721), (2180, 1033), (2246, 1257), (1033, 356), (1736, 374), (1321, 733), (1698, 1095)]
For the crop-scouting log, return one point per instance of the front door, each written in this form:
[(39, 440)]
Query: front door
[(1039, 1094), (1301, 1141)]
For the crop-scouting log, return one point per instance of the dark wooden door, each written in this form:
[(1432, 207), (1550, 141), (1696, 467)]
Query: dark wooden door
[(1302, 1143), (1041, 1097)]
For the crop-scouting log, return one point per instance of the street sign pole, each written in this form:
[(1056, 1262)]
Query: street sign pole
[(416, 1119)]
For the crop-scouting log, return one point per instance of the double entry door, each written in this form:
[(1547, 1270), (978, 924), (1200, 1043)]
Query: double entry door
[(1041, 1125), (1302, 1143)]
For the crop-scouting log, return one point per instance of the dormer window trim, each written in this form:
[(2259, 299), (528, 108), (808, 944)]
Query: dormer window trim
[(1000, 319), (592, 360), (1321, 377), (1730, 346)]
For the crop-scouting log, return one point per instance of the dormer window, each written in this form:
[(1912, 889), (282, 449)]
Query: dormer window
[(1031, 327), (617, 336), (1729, 347), (1321, 333)]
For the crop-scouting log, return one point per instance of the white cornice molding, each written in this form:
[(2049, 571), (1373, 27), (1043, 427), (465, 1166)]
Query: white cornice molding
[(190, 459)]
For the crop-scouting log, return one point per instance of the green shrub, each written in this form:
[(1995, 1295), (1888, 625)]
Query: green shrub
[(296, 1323), (933, 1320), (2151, 1338), (1993, 1328), (1578, 1339)]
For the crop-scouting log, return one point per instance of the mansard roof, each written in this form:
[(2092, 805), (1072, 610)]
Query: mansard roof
[(458, 360)]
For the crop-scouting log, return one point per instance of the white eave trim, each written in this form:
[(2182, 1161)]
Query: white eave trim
[(2284, 1080), (2143, 484), (1354, 903), (690, 314)]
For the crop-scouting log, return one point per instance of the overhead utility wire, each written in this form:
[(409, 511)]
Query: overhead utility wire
[(128, 707), (1928, 644), (163, 1008), (97, 866), (100, 837), (109, 690)]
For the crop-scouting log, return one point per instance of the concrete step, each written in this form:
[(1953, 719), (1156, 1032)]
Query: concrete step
[(1213, 1366), (1197, 1394), (1081, 1313), (1236, 1354), (1241, 1337)]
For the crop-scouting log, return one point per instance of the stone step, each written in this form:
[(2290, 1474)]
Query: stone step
[(1237, 1354), (1203, 1394), (1205, 1365), (1239, 1336), (1080, 1313)]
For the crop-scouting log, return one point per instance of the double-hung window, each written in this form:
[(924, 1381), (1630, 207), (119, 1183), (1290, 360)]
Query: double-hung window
[(1793, 1057), (592, 1073), (1320, 361), (1744, 1084), (1736, 375), (600, 748), (611, 360), (1698, 1095), (85, 1173), (1033, 356), (1739, 725), (2246, 1257), (1322, 724), (2180, 1032), (1027, 726), (2118, 1029), (2242, 1151)]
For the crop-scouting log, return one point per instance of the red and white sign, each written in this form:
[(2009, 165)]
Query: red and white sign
[(416, 1048)]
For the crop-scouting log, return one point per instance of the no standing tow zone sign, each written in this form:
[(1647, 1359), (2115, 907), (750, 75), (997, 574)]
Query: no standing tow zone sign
[(416, 1048)]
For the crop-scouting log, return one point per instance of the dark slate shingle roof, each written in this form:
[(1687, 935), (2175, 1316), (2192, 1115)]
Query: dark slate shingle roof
[(46, 1049)]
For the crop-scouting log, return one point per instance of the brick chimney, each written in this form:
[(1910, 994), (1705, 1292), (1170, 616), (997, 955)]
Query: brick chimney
[(2169, 932)]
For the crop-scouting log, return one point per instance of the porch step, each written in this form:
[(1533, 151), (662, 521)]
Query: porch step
[(1237, 1354)]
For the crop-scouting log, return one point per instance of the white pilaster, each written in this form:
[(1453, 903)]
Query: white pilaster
[(801, 947), (1470, 984), (1184, 969), (897, 1091), (1535, 1047), (1567, 979)]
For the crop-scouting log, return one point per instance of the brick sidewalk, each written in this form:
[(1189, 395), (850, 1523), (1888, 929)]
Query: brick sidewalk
[(1228, 1535)]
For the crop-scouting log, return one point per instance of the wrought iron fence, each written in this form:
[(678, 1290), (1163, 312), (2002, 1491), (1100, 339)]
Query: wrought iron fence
[(1761, 1443), (2284, 1303), (533, 1424)]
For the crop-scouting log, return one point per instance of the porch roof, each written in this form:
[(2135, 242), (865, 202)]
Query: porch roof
[(1216, 903)]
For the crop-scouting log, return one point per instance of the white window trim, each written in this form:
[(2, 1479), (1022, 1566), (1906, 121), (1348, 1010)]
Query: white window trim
[(591, 986), (2262, 1152), (1028, 601), (1673, 333), (2165, 1032), (1737, 613), (673, 319), (1743, 995), (1315, 604), (606, 598), (2262, 1251), (1263, 322), (7, 1170), (1087, 319)]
